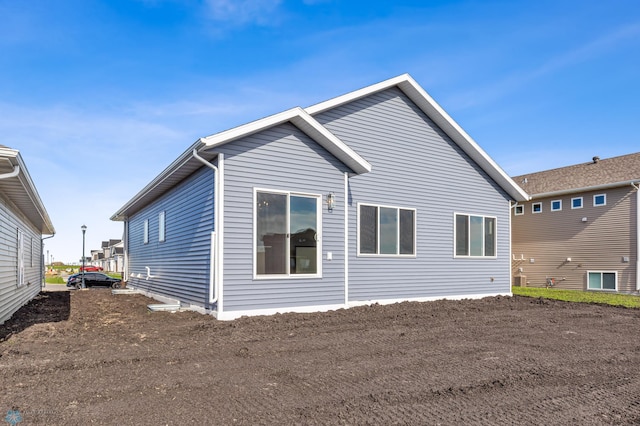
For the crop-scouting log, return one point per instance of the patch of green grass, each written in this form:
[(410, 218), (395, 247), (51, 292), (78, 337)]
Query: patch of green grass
[(613, 299), (55, 280)]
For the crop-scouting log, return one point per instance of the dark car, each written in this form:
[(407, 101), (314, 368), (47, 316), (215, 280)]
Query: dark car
[(92, 279)]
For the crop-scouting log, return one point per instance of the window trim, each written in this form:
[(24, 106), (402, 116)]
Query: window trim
[(581, 203), (515, 210), (615, 274), (162, 236), (559, 208), (378, 254), (533, 208), (455, 234), (604, 196), (145, 232), (320, 255)]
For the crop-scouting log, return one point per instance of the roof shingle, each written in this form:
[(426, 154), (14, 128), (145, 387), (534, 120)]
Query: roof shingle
[(598, 172)]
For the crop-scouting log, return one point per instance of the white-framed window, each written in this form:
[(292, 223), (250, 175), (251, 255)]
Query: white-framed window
[(145, 235), (556, 205), (600, 200), (20, 256), (161, 226), (602, 280), (576, 203), (475, 236), (386, 230), (518, 210), (536, 208), (287, 234)]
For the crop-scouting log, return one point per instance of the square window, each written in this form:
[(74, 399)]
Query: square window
[(518, 210), (556, 205), (536, 208), (600, 200), (576, 203)]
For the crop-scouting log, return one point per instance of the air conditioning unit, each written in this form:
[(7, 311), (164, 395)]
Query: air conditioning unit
[(520, 281)]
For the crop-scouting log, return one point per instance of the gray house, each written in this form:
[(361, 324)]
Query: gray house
[(373, 196), (23, 221)]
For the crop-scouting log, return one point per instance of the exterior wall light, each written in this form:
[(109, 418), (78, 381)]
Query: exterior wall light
[(331, 201), (584, 219)]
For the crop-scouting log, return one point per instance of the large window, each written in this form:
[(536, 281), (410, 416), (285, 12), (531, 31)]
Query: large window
[(475, 236), (287, 236), (602, 280), (387, 231)]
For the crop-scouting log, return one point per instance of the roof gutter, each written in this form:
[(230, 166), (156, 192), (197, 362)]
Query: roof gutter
[(14, 173), (584, 189)]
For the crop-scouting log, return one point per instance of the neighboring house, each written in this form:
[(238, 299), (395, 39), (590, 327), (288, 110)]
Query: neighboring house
[(110, 257), (374, 196), (23, 221), (580, 229)]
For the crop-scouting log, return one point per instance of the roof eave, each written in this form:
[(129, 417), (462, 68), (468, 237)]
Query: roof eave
[(434, 111), (585, 189), (305, 122), (45, 226)]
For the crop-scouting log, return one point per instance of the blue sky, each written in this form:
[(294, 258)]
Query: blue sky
[(100, 96)]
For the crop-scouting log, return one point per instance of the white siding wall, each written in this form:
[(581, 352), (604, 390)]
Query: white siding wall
[(12, 296)]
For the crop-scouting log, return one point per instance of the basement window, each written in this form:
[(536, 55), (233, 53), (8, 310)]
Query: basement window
[(602, 280)]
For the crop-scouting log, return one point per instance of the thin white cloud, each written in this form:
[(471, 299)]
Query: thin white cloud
[(242, 12)]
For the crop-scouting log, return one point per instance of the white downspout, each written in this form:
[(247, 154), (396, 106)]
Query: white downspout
[(637, 187), (214, 278)]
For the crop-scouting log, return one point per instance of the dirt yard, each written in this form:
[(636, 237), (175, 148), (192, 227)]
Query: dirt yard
[(82, 357)]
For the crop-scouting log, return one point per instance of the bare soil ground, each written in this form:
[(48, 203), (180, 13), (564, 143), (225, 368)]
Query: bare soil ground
[(83, 357)]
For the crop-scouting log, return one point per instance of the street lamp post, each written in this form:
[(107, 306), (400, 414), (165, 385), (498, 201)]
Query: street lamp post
[(84, 230)]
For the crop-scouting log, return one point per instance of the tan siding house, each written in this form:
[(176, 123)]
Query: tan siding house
[(580, 229)]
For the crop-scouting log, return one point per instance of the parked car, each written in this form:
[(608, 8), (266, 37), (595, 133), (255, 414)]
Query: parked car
[(92, 279), (91, 268)]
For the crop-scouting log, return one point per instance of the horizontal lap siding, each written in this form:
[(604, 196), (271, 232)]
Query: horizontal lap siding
[(599, 244), (282, 158), (416, 165), (179, 265), (13, 297)]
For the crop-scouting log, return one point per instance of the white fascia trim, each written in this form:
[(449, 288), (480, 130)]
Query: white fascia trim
[(305, 122), (430, 107), (584, 189), (24, 177)]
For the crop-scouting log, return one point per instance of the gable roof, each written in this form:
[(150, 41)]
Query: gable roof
[(303, 119), (16, 185), (430, 107), (593, 175), (305, 122)]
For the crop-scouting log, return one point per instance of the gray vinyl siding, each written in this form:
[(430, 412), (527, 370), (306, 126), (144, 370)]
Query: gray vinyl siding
[(599, 244), (12, 296), (285, 159), (416, 165), (180, 264)]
